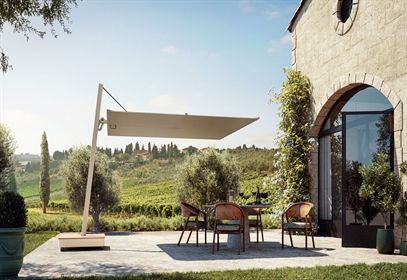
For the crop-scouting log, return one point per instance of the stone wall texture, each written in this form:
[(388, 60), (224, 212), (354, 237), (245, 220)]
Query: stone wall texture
[(369, 48)]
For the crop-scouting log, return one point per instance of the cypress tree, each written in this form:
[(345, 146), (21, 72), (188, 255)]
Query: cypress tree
[(44, 173)]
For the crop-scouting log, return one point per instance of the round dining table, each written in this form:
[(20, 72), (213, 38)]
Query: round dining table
[(232, 239)]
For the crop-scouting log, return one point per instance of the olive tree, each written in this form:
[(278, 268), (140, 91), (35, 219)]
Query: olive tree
[(106, 189), (7, 149), (205, 177), (18, 14)]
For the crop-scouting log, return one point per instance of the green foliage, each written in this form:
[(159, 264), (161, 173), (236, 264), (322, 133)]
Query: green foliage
[(28, 184), (353, 182), (204, 178), (257, 160), (402, 219), (44, 173), (7, 148), (13, 213), (56, 222), (105, 186), (72, 223), (20, 13), (380, 185), (292, 181), (12, 186), (147, 188), (148, 199)]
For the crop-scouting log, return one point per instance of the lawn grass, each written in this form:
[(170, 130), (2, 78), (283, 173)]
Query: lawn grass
[(33, 240), (355, 271)]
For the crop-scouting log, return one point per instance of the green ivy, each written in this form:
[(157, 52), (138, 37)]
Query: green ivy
[(292, 181)]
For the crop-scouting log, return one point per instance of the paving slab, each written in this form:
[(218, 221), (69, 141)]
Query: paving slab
[(154, 252)]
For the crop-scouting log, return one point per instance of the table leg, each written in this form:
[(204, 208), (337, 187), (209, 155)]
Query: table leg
[(246, 228)]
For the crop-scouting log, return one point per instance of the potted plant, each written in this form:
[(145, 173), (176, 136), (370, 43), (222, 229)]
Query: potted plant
[(402, 220), (382, 187), (13, 224)]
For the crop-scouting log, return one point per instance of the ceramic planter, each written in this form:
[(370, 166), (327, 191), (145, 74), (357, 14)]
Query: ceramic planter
[(11, 251), (403, 248), (385, 243)]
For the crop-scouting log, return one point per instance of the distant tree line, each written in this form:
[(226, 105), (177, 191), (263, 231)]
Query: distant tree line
[(163, 152), (250, 158)]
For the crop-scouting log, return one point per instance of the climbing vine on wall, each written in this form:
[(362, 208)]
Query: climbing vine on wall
[(292, 181)]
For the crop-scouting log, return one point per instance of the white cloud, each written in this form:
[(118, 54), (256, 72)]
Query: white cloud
[(245, 6), (272, 14), (279, 44), (179, 102), (170, 50)]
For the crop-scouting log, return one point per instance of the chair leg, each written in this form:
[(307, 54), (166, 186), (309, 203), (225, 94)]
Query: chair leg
[(282, 238), (262, 235), (238, 245), (312, 235), (306, 240), (189, 236), (291, 239), (197, 236), (257, 230), (181, 236), (213, 243), (244, 241)]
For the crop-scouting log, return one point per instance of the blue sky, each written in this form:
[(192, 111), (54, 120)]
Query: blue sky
[(198, 57)]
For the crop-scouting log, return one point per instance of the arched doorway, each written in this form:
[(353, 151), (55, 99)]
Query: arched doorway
[(359, 124)]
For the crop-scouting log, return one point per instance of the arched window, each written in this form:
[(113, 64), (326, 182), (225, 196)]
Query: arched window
[(345, 9)]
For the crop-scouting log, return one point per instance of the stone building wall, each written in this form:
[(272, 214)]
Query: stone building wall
[(369, 48)]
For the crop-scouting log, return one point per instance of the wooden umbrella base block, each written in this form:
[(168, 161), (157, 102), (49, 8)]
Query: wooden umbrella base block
[(76, 240)]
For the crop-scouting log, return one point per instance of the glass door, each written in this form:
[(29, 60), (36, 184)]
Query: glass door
[(364, 133)]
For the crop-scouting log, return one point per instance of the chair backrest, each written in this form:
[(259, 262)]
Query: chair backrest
[(188, 210), (299, 210), (228, 211)]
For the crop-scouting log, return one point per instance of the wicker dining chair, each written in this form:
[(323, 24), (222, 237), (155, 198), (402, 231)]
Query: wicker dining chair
[(297, 218), (225, 212), (195, 219), (255, 223)]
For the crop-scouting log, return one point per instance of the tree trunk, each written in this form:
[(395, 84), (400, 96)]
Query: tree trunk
[(44, 208), (96, 225)]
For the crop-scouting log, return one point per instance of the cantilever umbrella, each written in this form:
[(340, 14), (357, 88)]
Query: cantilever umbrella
[(172, 126), (156, 125)]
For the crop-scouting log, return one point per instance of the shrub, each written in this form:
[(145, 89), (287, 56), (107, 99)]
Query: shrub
[(13, 212)]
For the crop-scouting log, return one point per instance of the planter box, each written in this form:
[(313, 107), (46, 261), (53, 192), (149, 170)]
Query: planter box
[(76, 240)]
